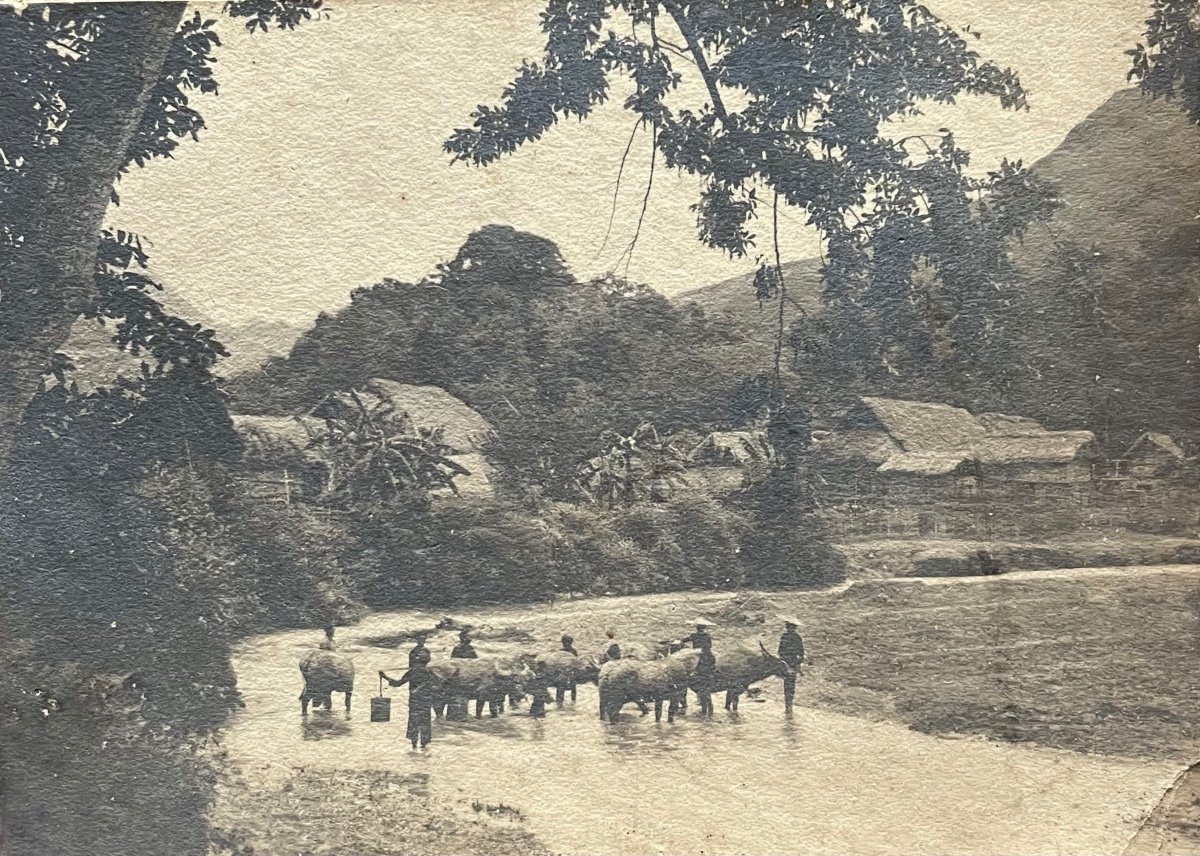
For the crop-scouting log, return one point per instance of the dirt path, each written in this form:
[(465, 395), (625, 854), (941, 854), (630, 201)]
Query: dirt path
[(1054, 573)]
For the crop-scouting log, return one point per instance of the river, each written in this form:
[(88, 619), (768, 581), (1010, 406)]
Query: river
[(753, 783)]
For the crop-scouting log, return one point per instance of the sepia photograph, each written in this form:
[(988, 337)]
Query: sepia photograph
[(600, 428)]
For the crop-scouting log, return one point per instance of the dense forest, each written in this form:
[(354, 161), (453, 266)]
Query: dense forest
[(550, 362)]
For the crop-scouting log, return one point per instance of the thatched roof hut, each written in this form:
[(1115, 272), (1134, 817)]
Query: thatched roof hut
[(932, 439), (1154, 444), (274, 443), (277, 441), (921, 427)]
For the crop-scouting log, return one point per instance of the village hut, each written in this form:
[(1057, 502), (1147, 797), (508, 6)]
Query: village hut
[(277, 457), (1152, 456), (460, 427), (899, 466)]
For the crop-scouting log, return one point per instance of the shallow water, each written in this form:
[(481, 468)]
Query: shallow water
[(755, 782)]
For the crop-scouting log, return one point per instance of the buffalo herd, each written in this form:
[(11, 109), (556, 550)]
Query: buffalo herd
[(661, 676)]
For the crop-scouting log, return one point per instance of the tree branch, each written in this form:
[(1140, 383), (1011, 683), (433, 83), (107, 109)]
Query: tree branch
[(782, 291), (689, 36)]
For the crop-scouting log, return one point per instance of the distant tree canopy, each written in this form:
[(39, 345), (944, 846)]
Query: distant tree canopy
[(549, 361)]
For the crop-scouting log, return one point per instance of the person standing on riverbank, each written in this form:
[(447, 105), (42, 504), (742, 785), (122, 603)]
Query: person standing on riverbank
[(420, 699), (791, 651)]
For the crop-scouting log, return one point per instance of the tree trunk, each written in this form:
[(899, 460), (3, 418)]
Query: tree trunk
[(51, 277)]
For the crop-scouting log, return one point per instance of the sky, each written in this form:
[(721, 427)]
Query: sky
[(322, 170)]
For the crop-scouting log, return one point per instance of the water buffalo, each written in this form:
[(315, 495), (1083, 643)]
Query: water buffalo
[(639, 681), (485, 679), (325, 673), (564, 671), (746, 664)]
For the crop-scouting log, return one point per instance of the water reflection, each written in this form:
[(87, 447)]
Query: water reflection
[(325, 725)]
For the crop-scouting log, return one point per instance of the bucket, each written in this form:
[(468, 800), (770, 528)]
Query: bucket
[(381, 709), (381, 706)]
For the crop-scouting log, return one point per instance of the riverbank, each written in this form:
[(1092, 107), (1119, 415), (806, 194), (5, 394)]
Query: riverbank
[(880, 558), (1097, 660), (360, 812)]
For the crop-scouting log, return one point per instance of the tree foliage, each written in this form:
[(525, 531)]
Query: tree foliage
[(800, 97), (638, 467), (1167, 63)]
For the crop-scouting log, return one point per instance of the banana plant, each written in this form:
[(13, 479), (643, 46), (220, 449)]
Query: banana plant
[(638, 467), (376, 456)]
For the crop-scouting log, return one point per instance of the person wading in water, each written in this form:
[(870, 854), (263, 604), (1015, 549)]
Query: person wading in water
[(701, 636), (420, 698), (791, 651), (419, 650), (705, 677), (455, 709), (464, 650), (613, 651), (699, 640), (568, 646), (328, 644)]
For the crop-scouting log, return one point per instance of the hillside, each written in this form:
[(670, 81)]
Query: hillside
[(254, 341), (1101, 329), (1113, 348), (250, 344), (746, 327)]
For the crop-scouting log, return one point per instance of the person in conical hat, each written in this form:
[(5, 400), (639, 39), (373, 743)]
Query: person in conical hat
[(700, 638), (791, 651), (464, 650), (419, 650)]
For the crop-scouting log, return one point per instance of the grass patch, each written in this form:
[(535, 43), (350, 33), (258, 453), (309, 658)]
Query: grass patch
[(365, 813), (1093, 664)]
